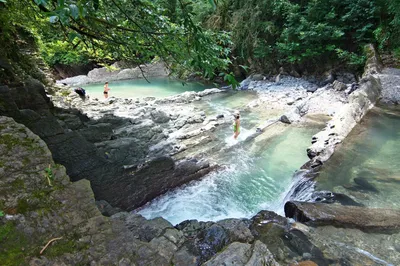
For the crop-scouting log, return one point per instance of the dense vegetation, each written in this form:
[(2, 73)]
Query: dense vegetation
[(212, 37), (267, 34)]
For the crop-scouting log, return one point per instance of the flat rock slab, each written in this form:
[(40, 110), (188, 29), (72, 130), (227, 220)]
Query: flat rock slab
[(363, 218)]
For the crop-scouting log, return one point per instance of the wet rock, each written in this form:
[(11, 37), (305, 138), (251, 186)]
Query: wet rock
[(211, 240), (265, 217), (365, 184), (367, 219), (191, 228), (323, 196), (299, 243), (237, 230), (346, 200), (285, 119), (137, 188)]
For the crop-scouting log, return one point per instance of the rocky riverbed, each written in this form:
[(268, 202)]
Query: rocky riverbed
[(124, 147)]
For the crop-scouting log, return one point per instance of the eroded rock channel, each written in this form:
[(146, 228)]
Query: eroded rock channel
[(134, 150)]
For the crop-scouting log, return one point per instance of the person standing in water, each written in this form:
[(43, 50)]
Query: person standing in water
[(106, 89), (236, 125)]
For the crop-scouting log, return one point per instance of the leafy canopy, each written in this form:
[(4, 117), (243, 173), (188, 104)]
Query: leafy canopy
[(74, 31)]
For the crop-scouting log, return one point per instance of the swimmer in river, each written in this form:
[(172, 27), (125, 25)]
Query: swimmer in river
[(106, 89), (236, 125)]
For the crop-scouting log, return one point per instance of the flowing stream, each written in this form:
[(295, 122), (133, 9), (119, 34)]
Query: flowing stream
[(256, 176)]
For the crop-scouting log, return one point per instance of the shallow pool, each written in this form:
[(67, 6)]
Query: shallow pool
[(367, 164), (140, 88)]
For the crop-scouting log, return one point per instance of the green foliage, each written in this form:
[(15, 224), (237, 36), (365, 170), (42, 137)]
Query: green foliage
[(49, 175), (271, 33), (62, 52), (1, 213)]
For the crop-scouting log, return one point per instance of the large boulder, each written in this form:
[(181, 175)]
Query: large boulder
[(7, 104), (142, 184), (390, 79), (31, 95), (367, 219)]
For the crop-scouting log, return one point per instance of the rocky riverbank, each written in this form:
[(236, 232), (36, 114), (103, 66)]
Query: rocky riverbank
[(124, 147), (114, 73), (39, 204)]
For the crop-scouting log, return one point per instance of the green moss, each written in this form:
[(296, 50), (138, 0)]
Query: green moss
[(23, 206), (18, 184), (61, 247), (12, 245), (10, 141)]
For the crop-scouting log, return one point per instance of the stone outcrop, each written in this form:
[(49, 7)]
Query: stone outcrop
[(390, 79), (360, 101), (114, 152), (39, 203), (367, 219), (103, 74)]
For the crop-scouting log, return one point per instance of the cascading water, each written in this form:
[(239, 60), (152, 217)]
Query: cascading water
[(249, 183)]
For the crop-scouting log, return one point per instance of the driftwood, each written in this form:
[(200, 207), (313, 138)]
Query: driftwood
[(48, 243)]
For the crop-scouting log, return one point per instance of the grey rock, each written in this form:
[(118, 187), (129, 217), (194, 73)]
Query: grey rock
[(71, 121), (238, 230), (390, 79), (142, 229), (345, 77), (211, 241), (257, 77), (98, 132), (285, 119), (261, 256), (368, 219), (339, 86), (159, 116), (235, 254), (106, 209), (183, 258)]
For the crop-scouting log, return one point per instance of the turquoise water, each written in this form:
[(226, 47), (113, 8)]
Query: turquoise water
[(249, 183), (158, 87), (371, 153)]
